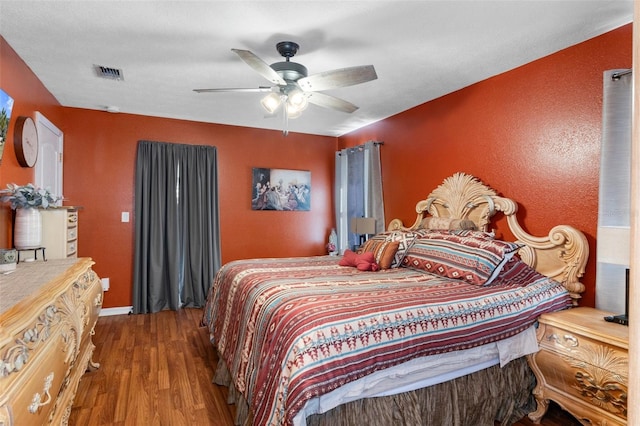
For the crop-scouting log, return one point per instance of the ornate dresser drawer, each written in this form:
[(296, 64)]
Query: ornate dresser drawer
[(47, 315), (72, 234), (583, 366), (60, 231), (72, 249), (38, 384)]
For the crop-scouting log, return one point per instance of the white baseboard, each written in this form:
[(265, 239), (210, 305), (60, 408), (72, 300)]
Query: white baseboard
[(122, 310)]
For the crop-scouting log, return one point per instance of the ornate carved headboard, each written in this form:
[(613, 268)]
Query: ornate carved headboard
[(561, 255)]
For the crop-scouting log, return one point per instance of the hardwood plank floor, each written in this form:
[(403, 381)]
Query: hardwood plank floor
[(156, 369)]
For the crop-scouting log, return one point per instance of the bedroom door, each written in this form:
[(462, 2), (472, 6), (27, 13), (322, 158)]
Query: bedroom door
[(48, 168)]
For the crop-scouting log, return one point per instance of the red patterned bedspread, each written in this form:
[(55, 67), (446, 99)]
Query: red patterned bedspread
[(292, 329)]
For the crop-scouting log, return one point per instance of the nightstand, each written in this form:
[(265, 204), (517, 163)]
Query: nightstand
[(582, 365)]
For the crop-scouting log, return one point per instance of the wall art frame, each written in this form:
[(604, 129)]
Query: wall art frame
[(281, 189), (6, 106)]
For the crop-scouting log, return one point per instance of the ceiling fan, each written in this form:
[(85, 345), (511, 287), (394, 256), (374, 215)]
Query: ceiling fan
[(293, 88)]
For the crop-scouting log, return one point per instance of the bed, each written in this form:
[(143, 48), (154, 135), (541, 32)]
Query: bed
[(430, 324)]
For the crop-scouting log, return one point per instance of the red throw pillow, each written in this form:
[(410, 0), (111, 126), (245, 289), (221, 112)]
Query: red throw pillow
[(348, 259), (363, 262), (366, 262)]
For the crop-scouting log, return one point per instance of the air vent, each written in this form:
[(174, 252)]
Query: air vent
[(109, 73)]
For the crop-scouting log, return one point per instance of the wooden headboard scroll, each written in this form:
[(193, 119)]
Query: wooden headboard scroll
[(561, 255)]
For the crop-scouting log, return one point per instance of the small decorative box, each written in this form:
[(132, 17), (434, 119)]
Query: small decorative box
[(8, 259)]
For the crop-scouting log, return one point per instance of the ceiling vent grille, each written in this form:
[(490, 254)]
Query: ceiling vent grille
[(109, 72)]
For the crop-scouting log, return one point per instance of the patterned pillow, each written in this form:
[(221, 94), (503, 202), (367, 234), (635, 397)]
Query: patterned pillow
[(405, 240), (383, 250), (474, 259), (515, 271), (473, 233)]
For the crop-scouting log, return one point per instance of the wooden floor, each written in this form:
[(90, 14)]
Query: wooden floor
[(156, 369), (555, 417)]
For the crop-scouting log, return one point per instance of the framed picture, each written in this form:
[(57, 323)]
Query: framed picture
[(281, 189), (6, 105)]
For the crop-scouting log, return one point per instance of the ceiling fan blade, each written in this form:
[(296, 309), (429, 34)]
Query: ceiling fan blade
[(261, 66), (338, 78), (235, 89), (328, 101)]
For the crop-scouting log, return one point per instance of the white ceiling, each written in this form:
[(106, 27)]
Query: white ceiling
[(421, 50)]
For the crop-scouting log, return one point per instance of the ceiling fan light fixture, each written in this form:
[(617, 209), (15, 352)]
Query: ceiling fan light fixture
[(271, 102), (292, 112), (293, 88), (296, 103)]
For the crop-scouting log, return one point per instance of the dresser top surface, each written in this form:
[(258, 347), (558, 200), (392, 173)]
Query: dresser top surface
[(29, 277)]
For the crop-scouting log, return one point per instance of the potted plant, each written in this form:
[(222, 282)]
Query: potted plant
[(26, 200)]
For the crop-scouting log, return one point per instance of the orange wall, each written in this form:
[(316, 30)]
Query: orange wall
[(29, 95), (99, 162), (532, 133), (100, 151)]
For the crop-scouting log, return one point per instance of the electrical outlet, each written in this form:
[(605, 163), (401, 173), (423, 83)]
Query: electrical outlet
[(105, 284)]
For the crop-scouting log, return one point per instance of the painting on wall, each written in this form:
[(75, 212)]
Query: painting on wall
[(6, 105), (281, 189)]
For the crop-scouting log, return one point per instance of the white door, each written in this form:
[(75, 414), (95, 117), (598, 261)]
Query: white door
[(48, 168)]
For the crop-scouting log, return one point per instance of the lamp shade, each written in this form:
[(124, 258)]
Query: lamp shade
[(613, 245), (363, 225)]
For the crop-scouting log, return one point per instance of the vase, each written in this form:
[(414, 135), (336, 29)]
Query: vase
[(27, 231)]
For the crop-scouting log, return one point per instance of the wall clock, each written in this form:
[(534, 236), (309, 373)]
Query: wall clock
[(25, 141)]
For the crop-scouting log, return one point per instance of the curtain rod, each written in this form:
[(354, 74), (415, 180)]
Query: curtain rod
[(617, 75), (376, 143)]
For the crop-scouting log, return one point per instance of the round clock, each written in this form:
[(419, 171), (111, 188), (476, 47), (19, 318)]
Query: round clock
[(25, 140)]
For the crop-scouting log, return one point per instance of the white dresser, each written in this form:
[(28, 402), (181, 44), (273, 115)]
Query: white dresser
[(48, 311), (60, 232)]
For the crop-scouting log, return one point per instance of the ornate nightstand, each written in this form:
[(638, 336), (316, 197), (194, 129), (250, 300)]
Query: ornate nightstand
[(582, 365)]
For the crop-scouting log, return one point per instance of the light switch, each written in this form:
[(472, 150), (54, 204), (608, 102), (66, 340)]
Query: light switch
[(125, 217)]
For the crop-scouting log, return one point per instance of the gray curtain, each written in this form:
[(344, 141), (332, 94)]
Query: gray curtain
[(614, 207), (177, 243), (358, 190)]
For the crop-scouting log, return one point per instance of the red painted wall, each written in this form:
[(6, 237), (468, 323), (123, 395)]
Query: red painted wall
[(29, 95), (100, 151), (99, 164), (533, 134)]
